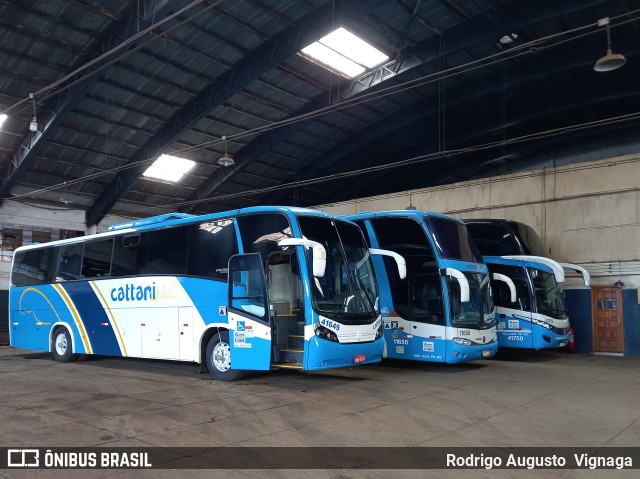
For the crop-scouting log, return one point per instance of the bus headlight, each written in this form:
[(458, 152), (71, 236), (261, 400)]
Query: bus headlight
[(463, 341), (326, 333)]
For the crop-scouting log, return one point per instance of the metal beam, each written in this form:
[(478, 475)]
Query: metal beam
[(52, 116), (258, 62), (434, 174), (479, 30), (464, 94)]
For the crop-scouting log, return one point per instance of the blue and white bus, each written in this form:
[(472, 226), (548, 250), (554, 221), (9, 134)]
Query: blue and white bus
[(248, 289), (538, 318), (443, 310)]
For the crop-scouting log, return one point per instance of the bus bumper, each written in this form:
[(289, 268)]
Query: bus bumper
[(457, 353), (323, 354), (550, 339)]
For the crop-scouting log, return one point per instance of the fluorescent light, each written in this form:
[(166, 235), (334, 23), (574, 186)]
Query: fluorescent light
[(3, 117), (169, 168), (343, 52)]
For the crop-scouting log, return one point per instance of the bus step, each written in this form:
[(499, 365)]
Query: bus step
[(291, 356), (296, 341), (300, 327), (288, 366)]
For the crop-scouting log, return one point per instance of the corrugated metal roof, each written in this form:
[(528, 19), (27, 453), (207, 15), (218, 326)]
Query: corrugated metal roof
[(231, 68)]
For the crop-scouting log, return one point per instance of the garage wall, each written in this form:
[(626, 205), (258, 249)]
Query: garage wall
[(586, 213)]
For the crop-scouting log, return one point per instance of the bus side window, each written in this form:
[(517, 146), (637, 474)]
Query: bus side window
[(129, 255), (211, 244), (70, 262), (36, 266), (96, 261), (167, 252)]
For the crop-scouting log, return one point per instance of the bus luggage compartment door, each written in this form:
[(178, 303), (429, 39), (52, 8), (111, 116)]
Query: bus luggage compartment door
[(248, 314)]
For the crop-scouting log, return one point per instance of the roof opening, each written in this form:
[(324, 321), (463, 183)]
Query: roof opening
[(169, 168), (342, 52)]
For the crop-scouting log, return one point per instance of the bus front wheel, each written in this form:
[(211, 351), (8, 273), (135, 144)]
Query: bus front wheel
[(218, 358), (62, 348)]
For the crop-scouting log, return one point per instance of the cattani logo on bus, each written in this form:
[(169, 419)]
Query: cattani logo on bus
[(141, 292)]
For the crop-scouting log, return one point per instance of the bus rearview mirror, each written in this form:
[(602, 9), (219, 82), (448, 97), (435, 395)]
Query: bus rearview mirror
[(319, 254)]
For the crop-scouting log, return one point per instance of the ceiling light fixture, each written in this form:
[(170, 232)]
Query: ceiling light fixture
[(3, 117), (33, 126), (506, 39), (226, 159), (611, 61)]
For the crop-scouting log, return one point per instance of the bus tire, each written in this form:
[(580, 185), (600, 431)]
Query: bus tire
[(218, 357), (61, 346)]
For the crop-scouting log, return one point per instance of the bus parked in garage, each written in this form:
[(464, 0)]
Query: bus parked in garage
[(538, 318), (443, 310), (243, 290)]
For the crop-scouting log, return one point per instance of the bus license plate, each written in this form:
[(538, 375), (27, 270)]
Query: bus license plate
[(360, 358), (486, 353)]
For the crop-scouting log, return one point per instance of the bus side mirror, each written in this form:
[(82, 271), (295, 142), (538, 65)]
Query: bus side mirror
[(510, 283), (402, 264), (462, 281), (319, 253), (580, 270)]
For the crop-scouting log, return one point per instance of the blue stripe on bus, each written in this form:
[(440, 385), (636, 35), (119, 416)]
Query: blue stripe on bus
[(103, 338)]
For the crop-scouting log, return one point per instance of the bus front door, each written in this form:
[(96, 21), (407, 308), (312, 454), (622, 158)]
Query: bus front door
[(248, 314)]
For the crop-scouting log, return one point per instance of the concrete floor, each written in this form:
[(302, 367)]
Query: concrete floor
[(522, 399)]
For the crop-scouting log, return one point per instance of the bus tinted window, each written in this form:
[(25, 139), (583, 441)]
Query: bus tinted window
[(501, 293), (96, 261), (168, 251), (129, 255), (531, 242), (261, 232), (362, 226), (452, 240), (70, 262), (414, 298), (494, 239), (34, 266), (210, 247)]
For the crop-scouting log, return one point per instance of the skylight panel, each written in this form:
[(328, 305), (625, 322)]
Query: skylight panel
[(333, 59), (169, 168), (341, 51)]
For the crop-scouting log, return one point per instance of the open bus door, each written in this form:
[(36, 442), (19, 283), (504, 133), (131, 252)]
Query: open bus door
[(248, 314)]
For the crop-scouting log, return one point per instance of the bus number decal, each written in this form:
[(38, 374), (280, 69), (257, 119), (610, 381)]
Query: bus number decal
[(515, 337), (401, 341), (464, 332), (327, 323)]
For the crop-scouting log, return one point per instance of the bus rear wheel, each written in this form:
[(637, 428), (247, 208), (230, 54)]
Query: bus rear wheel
[(61, 347), (218, 357)]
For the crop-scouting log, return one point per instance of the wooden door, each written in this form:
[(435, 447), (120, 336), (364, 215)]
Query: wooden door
[(606, 307)]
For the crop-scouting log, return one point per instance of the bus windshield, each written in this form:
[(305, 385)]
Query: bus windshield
[(479, 312), (549, 299), (347, 292), (452, 240)]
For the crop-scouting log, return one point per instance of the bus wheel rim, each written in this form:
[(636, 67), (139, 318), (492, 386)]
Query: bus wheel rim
[(222, 357), (61, 344)]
